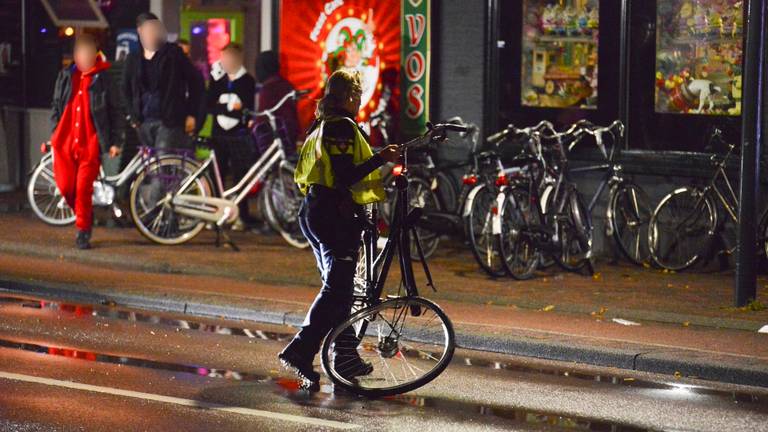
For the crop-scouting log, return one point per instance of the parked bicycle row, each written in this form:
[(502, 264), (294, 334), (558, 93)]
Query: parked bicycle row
[(517, 207)]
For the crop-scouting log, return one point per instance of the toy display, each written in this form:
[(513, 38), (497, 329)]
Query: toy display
[(699, 56), (559, 67)]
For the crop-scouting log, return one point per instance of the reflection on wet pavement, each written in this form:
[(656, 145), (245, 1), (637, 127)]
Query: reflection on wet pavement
[(328, 398)]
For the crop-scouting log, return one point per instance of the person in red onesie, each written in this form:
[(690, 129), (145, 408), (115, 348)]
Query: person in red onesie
[(84, 125)]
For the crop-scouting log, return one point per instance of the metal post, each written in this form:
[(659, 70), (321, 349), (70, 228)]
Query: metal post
[(624, 69), (751, 134)]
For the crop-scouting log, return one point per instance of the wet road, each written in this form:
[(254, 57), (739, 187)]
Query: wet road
[(106, 368)]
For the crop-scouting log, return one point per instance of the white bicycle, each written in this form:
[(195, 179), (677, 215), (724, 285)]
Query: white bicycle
[(49, 204), (175, 215)]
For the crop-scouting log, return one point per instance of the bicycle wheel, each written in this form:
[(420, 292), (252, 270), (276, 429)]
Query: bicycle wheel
[(408, 340), (421, 194), (519, 251), (444, 186), (283, 200), (44, 197), (630, 214), (150, 200), (574, 230), (681, 228), (478, 221)]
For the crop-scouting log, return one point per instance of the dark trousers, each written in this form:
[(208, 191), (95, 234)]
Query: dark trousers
[(236, 155), (153, 133), (335, 241)]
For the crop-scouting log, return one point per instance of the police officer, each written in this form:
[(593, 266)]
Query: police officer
[(338, 173)]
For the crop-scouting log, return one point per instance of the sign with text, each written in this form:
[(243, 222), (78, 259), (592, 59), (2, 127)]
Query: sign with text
[(415, 45)]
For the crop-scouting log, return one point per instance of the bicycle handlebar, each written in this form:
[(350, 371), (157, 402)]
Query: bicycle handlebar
[(294, 94)]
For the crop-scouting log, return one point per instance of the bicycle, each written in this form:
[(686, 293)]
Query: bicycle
[(199, 200), (49, 205), (404, 358), (548, 214), (686, 221)]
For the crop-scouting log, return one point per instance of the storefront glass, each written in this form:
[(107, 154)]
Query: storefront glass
[(699, 48), (560, 53)]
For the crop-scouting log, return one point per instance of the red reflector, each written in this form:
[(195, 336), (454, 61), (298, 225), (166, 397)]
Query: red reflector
[(44, 148), (494, 210), (397, 170), (502, 180), (469, 180)]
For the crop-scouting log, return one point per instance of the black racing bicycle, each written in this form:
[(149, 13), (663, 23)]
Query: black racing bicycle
[(408, 339)]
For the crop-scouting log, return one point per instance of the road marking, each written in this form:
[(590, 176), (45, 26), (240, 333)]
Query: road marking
[(179, 401)]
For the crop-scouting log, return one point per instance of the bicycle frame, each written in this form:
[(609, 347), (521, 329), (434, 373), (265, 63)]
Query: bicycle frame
[(222, 207)]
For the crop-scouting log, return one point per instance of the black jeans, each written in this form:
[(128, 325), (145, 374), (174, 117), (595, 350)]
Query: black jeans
[(236, 155), (153, 133), (335, 241)]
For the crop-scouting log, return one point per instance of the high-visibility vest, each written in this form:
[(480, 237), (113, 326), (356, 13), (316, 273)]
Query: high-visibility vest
[(314, 165)]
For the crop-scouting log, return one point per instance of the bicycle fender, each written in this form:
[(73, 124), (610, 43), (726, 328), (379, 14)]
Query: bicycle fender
[(496, 218), (470, 199)]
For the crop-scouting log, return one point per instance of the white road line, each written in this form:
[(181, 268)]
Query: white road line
[(179, 401)]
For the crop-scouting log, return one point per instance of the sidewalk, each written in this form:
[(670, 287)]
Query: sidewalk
[(686, 324)]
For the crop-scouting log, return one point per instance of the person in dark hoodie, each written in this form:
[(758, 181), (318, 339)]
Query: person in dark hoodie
[(162, 89), (231, 90), (85, 124), (273, 88)]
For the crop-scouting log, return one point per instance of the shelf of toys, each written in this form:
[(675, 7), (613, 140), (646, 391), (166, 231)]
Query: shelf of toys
[(559, 50), (699, 49)]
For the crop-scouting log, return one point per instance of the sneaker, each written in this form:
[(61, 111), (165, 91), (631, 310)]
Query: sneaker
[(302, 368), (83, 239)]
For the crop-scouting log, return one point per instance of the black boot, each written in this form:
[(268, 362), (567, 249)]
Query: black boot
[(83, 239), (351, 366), (302, 368)]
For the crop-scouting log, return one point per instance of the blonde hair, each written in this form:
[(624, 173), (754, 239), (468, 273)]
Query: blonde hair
[(341, 85)]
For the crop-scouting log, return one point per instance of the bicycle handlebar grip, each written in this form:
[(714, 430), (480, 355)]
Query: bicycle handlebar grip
[(453, 127), (498, 136)]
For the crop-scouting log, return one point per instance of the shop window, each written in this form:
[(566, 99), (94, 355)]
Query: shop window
[(559, 53), (699, 49)]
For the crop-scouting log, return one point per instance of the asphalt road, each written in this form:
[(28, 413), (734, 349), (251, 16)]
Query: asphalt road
[(105, 368)]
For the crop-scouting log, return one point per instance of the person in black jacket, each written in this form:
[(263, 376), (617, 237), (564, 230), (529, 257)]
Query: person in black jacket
[(162, 89), (230, 90)]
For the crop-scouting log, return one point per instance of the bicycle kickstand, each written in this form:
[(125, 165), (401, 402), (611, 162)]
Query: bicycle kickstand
[(221, 234)]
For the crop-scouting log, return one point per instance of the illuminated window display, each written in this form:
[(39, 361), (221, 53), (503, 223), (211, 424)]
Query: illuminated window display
[(559, 65), (699, 56)]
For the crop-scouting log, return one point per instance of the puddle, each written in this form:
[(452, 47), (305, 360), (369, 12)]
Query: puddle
[(117, 312), (132, 361)]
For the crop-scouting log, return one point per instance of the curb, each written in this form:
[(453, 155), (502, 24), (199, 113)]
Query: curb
[(690, 363), (19, 248)]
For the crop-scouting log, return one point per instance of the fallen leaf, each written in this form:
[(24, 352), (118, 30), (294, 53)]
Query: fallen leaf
[(597, 276), (548, 308), (686, 323), (678, 375)]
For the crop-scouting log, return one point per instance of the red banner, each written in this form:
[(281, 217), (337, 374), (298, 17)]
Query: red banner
[(319, 36)]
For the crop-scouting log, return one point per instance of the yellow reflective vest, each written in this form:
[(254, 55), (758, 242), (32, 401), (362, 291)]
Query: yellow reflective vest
[(314, 165)]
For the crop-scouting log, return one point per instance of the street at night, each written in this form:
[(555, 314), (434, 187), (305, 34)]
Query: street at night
[(64, 366), (384, 215)]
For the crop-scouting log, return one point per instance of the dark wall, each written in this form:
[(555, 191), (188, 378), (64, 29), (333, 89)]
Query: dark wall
[(458, 60)]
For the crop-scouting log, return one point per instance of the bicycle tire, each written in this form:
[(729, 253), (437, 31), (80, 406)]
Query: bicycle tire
[(371, 314), (516, 221), (575, 231), (42, 184), (663, 224), (283, 200), (203, 185), (630, 217)]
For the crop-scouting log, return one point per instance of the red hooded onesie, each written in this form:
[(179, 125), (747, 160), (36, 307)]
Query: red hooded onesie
[(76, 154)]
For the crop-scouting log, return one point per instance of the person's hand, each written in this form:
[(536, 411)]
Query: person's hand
[(44, 146), (114, 151), (251, 123), (189, 125), (390, 153)]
